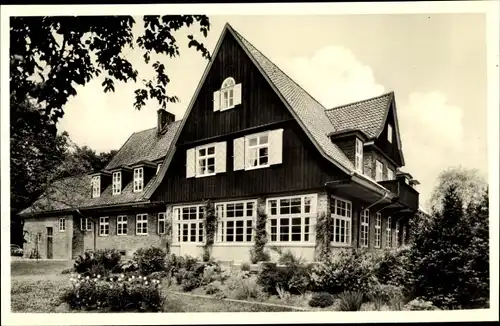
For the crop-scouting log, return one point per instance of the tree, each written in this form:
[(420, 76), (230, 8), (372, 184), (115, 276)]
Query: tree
[(49, 56), (450, 254), (81, 160)]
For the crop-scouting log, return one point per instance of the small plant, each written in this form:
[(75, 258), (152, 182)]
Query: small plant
[(351, 301), (150, 260), (68, 271), (245, 267), (322, 300), (419, 304), (213, 288), (282, 293)]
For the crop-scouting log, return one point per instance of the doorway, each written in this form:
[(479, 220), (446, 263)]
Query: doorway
[(49, 242)]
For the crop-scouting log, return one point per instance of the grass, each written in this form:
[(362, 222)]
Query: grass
[(40, 267)]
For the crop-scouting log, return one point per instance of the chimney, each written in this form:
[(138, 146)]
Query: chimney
[(164, 118)]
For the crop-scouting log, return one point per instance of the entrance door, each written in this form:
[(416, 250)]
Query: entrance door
[(49, 242)]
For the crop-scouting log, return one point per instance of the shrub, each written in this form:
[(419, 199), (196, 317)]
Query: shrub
[(211, 273), (242, 286), (129, 266), (108, 258), (393, 267), (349, 270), (190, 281), (419, 304), (120, 294), (213, 288), (351, 300), (68, 270), (150, 260), (321, 300), (385, 293), (174, 263), (100, 262), (245, 267)]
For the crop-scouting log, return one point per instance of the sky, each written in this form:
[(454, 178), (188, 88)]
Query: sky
[(435, 64)]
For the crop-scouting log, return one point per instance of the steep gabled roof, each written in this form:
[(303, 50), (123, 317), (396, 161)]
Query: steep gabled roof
[(367, 116), (145, 145)]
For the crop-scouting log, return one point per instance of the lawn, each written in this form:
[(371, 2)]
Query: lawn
[(38, 286)]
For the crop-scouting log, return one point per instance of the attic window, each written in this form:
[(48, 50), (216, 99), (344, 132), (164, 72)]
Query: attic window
[(138, 179), (228, 96), (389, 133), (96, 186), (359, 155), (117, 183)]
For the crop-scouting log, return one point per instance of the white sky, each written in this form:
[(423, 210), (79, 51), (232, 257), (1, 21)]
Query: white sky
[(435, 63)]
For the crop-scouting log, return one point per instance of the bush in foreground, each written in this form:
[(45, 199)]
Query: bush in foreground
[(321, 300), (150, 260), (351, 300), (102, 261)]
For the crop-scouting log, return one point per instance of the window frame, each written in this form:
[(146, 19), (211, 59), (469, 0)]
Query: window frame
[(358, 155), (378, 230), (389, 133), (162, 220), (87, 224), (122, 223), (117, 183), (205, 157), (346, 219), (103, 223), (390, 171), (227, 90), (141, 222), (258, 146), (62, 224), (364, 236), (221, 231), (139, 179), (306, 219), (388, 232), (377, 165), (96, 186), (178, 224)]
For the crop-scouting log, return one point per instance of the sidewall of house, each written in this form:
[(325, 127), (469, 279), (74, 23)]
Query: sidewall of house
[(61, 240)]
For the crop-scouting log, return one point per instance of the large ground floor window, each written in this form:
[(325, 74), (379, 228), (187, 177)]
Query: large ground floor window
[(188, 223), (341, 218), (290, 218), (236, 221)]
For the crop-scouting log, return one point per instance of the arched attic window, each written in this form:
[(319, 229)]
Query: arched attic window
[(228, 96)]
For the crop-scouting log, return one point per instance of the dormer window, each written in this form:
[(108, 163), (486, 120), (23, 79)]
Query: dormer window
[(96, 186), (117, 183), (228, 96), (158, 167), (389, 133), (138, 179), (359, 155), (379, 171)]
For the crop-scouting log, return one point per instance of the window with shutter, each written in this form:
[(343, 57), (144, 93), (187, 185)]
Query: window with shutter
[(228, 96), (205, 160)]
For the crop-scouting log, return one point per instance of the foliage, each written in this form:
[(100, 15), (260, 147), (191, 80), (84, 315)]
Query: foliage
[(245, 267), (129, 266), (116, 294), (174, 263), (323, 236), (210, 224), (350, 300), (383, 294), (51, 56), (213, 288), (349, 270), (450, 257), (102, 262), (419, 304), (68, 271), (241, 285), (258, 252), (150, 260), (321, 300), (393, 268)]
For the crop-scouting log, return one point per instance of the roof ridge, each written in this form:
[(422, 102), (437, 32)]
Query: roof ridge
[(276, 66), (361, 101)]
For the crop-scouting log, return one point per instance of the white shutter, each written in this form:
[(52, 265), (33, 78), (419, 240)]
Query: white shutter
[(220, 157), (237, 94), (216, 101), (175, 226), (239, 154), (190, 163), (276, 147)]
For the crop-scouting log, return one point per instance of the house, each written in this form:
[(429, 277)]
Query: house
[(250, 135)]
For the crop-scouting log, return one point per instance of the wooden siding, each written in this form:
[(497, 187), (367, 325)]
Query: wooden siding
[(260, 104), (391, 149), (303, 168)]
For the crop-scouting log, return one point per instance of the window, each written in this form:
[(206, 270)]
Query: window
[(379, 171), (257, 151), (378, 231), (96, 186), (389, 133), (138, 179), (290, 218), (85, 224), (365, 224), (188, 223), (359, 155), (341, 216), (161, 223), (121, 225), (205, 160), (117, 183), (227, 94), (104, 226), (390, 174), (388, 233), (141, 224), (62, 224), (236, 221), (397, 234), (158, 167)]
